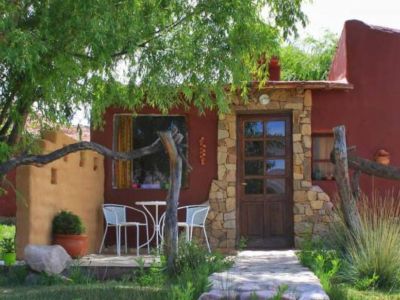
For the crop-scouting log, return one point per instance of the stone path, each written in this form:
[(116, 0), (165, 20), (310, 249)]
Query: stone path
[(259, 274)]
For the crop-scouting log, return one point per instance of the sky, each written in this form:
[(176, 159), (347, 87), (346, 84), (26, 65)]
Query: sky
[(331, 14)]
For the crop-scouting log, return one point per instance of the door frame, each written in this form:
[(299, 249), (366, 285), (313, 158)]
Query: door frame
[(263, 113)]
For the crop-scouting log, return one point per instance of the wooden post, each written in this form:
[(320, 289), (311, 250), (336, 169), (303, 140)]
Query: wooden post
[(175, 176), (348, 201)]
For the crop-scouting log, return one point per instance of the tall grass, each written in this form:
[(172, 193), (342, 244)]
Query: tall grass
[(371, 256)]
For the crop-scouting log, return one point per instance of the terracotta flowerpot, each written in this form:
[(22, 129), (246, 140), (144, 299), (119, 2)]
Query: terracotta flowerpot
[(382, 157), (75, 245), (9, 258)]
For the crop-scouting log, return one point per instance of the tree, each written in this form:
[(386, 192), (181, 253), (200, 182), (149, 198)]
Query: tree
[(57, 56), (348, 188), (309, 59)]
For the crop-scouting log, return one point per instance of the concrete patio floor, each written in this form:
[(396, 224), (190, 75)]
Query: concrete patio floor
[(112, 260)]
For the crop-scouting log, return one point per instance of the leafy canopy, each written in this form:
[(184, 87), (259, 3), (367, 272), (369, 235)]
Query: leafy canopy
[(308, 60), (57, 56)]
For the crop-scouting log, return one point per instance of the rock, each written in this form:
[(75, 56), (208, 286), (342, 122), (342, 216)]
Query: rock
[(50, 259)]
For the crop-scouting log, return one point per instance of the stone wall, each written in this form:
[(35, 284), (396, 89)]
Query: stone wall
[(311, 204), (74, 182)]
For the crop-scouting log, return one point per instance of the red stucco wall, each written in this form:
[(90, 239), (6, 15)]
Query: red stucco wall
[(199, 179), (371, 111)]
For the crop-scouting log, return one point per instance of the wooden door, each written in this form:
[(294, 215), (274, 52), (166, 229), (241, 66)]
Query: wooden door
[(265, 180)]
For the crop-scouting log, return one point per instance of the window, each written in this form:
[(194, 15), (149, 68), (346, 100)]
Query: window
[(322, 168), (150, 171)]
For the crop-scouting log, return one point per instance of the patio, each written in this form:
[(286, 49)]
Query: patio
[(112, 260)]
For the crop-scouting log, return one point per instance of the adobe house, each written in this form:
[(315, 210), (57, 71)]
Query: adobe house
[(264, 167), (253, 165)]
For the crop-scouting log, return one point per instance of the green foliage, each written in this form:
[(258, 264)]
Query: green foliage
[(371, 256), (59, 56), (323, 262), (193, 265), (153, 276), (242, 243), (309, 59), (281, 290), (14, 276), (66, 222), (7, 245)]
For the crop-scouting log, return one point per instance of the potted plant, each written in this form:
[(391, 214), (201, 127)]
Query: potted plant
[(8, 251), (68, 232)]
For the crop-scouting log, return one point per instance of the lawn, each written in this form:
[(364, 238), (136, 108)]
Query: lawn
[(109, 290), (343, 292), (193, 265)]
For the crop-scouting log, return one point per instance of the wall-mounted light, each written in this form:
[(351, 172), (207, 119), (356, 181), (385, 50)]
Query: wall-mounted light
[(264, 99)]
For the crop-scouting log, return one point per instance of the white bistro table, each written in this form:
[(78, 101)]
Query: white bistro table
[(155, 220)]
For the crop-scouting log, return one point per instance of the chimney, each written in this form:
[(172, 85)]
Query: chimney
[(274, 69)]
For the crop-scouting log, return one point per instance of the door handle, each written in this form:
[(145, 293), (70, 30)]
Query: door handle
[(244, 183)]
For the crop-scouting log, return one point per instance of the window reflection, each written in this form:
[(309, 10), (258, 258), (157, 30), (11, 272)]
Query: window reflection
[(275, 186), (275, 147), (253, 167), (253, 148), (253, 129), (275, 128), (275, 166), (253, 186)]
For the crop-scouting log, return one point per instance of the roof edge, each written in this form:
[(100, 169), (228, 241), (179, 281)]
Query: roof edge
[(307, 85)]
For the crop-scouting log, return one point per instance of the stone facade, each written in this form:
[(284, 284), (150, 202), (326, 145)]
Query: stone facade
[(310, 204)]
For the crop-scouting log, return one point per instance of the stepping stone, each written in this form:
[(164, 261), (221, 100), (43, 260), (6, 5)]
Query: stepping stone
[(261, 273)]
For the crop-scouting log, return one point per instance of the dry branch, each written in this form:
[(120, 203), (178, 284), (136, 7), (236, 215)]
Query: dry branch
[(348, 202), (175, 176)]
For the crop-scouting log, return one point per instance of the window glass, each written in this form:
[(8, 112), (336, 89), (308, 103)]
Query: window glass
[(275, 147), (275, 186), (150, 171), (275, 167), (253, 129), (253, 167), (253, 186), (275, 128), (253, 148), (322, 168), (322, 147)]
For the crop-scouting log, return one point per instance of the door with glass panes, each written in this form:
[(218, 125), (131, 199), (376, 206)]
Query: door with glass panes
[(265, 180)]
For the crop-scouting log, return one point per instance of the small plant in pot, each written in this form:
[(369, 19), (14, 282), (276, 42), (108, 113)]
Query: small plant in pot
[(68, 232), (7, 246)]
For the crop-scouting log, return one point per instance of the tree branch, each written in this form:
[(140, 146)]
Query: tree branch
[(348, 203), (48, 158)]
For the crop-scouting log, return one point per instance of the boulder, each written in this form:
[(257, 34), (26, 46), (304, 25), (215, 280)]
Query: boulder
[(50, 259)]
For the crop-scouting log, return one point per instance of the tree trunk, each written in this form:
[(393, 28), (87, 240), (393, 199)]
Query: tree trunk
[(171, 226), (348, 201)]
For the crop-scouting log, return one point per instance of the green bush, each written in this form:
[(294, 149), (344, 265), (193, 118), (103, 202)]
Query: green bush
[(371, 257), (7, 245), (324, 262), (66, 222)]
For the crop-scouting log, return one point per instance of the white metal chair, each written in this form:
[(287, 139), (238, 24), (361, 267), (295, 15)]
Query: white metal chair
[(196, 216), (116, 216)]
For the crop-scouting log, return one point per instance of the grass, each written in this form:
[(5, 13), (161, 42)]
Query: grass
[(193, 265), (363, 264), (109, 290)]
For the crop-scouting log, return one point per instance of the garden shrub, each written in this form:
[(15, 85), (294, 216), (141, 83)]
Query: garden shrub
[(371, 257), (66, 222)]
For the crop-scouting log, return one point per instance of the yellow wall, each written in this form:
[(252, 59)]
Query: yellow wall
[(78, 186)]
